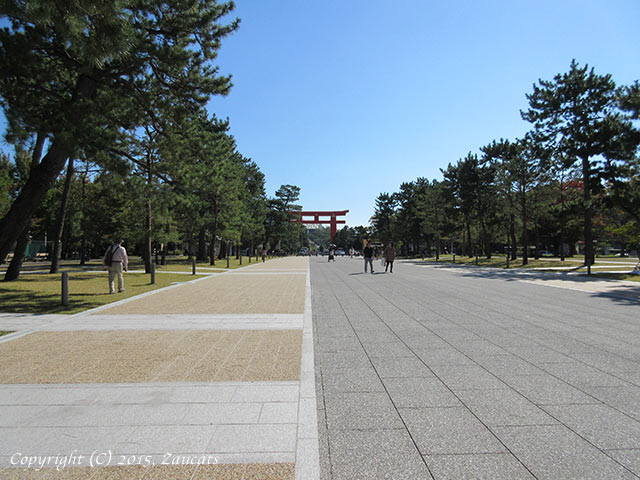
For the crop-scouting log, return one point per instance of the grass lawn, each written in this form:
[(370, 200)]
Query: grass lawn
[(182, 264), (3, 332), (40, 293), (501, 262), (174, 264)]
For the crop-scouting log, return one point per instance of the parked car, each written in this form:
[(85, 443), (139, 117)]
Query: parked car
[(340, 252)]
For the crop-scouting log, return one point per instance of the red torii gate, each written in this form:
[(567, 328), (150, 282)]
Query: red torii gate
[(298, 217)]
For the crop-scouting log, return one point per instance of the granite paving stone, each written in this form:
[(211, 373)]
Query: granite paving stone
[(555, 452), (547, 390), (502, 466), (603, 426), (417, 392), (170, 438), (608, 362), (442, 356), (504, 407), (373, 454), (352, 380), (284, 412), (507, 365), (403, 367), (253, 438), (583, 376), (628, 458), (467, 377), (372, 411), (449, 431), (624, 399), (482, 366)]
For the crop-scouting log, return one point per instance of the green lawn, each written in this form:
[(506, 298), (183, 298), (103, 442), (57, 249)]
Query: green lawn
[(3, 332), (40, 293), (501, 262), (174, 263)]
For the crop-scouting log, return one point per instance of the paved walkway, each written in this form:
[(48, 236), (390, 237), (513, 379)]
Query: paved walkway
[(211, 379), (461, 373), (433, 371)]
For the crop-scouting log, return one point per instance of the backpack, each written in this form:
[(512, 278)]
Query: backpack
[(108, 258)]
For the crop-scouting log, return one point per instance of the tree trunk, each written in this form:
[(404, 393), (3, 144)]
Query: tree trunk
[(147, 238), (438, 248), (66, 238), (525, 235), (15, 267), (83, 249), (62, 212), (149, 217), (212, 250), (512, 237), (83, 192), (485, 241), (202, 245), (589, 257), (165, 248), (469, 247), (44, 175)]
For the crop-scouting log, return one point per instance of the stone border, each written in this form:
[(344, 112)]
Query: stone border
[(307, 450)]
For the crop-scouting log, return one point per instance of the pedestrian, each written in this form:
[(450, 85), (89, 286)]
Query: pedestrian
[(264, 255), (389, 256), (116, 260), (368, 257)]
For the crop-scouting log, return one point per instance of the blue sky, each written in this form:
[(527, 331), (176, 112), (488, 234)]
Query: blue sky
[(350, 98)]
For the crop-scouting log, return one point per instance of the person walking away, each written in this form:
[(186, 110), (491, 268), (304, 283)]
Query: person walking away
[(389, 256), (116, 260), (368, 257), (264, 255)]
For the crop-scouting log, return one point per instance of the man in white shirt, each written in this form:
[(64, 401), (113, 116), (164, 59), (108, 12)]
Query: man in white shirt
[(116, 260)]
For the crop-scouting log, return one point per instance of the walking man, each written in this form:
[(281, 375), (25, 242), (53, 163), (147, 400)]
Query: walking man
[(116, 260), (389, 256), (368, 257)]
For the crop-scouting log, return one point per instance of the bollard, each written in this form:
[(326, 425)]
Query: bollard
[(454, 258), (476, 259), (193, 266), (153, 273), (65, 288)]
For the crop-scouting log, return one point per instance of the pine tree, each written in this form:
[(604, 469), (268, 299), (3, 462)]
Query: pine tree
[(576, 117)]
